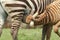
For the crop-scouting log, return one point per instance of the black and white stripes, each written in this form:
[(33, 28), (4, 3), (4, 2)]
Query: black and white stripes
[(17, 9), (51, 14)]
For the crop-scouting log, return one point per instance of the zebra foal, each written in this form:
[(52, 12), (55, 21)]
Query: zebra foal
[(50, 16)]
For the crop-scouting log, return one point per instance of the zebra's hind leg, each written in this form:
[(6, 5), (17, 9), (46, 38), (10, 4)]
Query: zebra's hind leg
[(56, 27), (14, 33), (14, 29)]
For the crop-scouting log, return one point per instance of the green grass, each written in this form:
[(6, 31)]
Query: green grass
[(27, 34)]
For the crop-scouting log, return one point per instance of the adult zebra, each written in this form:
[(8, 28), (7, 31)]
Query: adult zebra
[(50, 16), (19, 10), (3, 17)]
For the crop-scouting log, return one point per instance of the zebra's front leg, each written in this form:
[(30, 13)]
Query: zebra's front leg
[(56, 27), (14, 32), (44, 32), (1, 25), (0, 31), (48, 32)]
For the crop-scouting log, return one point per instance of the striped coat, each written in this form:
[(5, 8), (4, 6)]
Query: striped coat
[(50, 16), (19, 10)]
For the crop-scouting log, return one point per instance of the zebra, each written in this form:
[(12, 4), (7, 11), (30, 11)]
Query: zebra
[(50, 16), (3, 17), (19, 10)]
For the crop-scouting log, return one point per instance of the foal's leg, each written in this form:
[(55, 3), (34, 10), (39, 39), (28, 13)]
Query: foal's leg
[(56, 27), (44, 32), (48, 33)]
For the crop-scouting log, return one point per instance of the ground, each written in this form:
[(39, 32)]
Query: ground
[(27, 34)]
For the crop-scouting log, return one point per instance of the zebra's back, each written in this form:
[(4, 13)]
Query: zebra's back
[(54, 11)]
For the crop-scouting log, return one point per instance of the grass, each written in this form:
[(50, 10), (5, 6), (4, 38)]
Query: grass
[(27, 34)]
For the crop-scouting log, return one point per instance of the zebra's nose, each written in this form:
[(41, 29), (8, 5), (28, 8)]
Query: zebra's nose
[(32, 23), (28, 19)]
